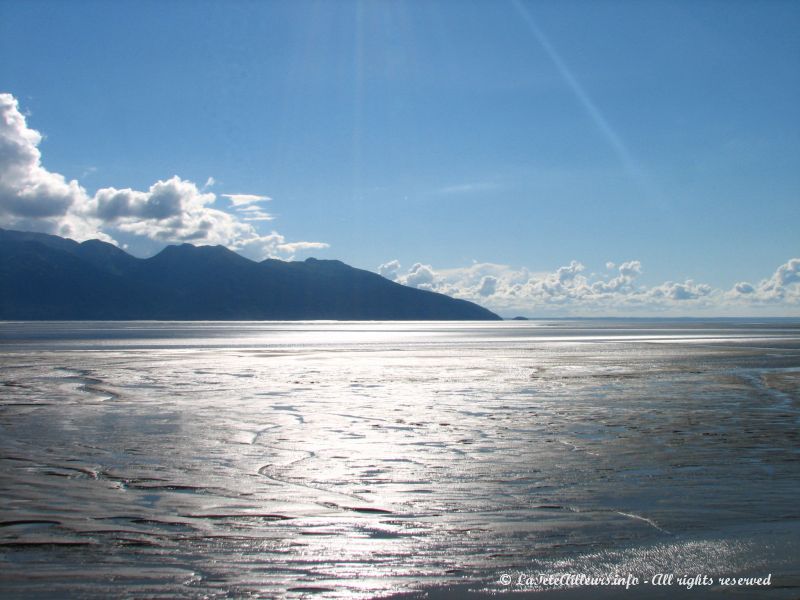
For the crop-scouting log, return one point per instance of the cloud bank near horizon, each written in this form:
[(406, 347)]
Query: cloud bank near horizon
[(173, 210), (569, 290)]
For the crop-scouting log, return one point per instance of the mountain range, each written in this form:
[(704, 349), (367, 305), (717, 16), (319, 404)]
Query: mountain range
[(48, 277)]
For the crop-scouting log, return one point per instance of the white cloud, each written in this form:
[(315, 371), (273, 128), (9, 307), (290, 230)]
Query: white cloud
[(31, 197), (627, 273), (274, 245), (389, 269), (164, 200), (566, 274), (631, 268), (293, 247), (783, 287), (260, 216), (568, 290), (420, 276), (172, 210), (463, 282), (252, 212), (244, 199), (688, 290), (784, 276)]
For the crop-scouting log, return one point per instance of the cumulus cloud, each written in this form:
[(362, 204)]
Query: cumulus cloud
[(569, 273), (27, 189), (688, 290), (420, 276), (171, 210), (631, 268), (389, 269), (627, 272), (782, 287), (570, 290), (164, 200), (31, 197), (785, 275), (476, 281)]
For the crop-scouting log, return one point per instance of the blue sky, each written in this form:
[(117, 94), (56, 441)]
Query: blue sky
[(516, 136)]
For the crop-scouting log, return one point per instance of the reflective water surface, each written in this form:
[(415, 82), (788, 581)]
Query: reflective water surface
[(356, 460)]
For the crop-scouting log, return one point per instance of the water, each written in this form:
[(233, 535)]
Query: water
[(355, 460)]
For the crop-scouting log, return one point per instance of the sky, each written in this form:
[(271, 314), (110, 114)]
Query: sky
[(541, 158)]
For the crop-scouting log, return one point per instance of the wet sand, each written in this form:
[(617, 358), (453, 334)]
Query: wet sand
[(372, 459)]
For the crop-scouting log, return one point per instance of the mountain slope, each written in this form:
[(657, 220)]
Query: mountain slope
[(48, 277)]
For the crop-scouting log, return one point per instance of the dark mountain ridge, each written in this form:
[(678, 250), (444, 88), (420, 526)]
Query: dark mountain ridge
[(48, 277)]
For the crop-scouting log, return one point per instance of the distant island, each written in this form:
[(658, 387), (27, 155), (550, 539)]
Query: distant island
[(46, 277)]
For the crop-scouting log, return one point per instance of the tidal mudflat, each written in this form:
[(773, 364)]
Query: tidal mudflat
[(355, 460)]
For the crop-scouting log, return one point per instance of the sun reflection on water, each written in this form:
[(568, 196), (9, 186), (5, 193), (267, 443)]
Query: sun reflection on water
[(355, 460)]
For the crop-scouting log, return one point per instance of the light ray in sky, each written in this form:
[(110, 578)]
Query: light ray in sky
[(592, 110)]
